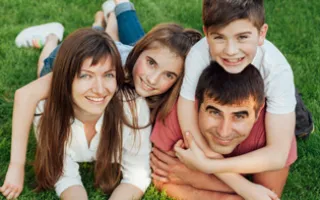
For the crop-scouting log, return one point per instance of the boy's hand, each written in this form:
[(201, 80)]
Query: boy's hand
[(13, 183), (194, 157), (259, 192)]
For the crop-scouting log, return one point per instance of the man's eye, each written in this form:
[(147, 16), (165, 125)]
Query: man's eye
[(214, 113), (239, 117)]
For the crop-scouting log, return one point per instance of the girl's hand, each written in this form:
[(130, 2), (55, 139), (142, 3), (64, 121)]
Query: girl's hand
[(13, 183)]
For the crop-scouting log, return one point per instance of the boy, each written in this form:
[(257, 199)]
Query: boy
[(231, 119), (235, 36)]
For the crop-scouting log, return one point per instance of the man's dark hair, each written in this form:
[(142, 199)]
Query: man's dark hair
[(231, 89), (219, 13)]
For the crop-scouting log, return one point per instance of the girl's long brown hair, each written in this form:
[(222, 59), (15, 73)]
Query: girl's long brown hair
[(179, 41), (55, 124)]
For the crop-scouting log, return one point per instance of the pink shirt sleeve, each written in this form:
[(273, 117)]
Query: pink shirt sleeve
[(165, 134)]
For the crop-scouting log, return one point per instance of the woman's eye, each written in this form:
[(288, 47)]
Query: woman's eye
[(83, 76), (110, 75)]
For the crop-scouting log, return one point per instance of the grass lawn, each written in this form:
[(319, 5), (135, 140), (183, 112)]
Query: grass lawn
[(294, 27)]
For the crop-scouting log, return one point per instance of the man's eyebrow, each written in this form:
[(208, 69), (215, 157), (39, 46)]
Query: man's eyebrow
[(243, 112), (212, 108)]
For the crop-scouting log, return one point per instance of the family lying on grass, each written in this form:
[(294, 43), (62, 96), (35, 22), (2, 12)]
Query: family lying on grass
[(214, 118)]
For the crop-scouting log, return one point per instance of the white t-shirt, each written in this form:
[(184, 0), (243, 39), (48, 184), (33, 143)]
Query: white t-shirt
[(272, 65), (135, 153)]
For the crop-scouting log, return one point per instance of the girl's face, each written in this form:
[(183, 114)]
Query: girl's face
[(156, 70), (93, 88)]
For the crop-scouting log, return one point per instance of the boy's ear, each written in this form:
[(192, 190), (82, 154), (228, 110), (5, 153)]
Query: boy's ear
[(262, 34), (205, 30)]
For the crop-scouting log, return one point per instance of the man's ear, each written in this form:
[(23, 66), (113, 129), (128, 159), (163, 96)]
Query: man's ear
[(259, 111), (262, 34)]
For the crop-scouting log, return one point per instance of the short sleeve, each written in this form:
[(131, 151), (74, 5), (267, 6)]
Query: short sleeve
[(136, 150), (280, 92), (197, 60), (166, 134)]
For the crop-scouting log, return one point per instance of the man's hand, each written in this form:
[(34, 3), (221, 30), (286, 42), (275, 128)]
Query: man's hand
[(194, 157), (167, 168), (13, 183)]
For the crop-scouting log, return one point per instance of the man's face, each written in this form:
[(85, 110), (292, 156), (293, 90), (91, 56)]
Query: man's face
[(225, 126), (235, 45)]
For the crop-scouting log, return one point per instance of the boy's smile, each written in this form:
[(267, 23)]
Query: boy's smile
[(235, 45)]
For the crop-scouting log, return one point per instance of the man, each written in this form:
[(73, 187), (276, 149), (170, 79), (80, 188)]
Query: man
[(231, 118)]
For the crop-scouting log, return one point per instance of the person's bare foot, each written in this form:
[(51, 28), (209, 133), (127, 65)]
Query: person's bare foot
[(99, 19)]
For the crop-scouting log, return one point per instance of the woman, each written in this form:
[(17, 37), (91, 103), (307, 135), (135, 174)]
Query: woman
[(90, 115)]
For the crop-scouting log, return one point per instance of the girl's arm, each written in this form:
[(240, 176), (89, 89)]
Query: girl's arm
[(25, 102)]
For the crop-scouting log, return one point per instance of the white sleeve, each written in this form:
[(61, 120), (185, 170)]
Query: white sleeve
[(194, 65), (70, 176), (280, 92), (136, 150)]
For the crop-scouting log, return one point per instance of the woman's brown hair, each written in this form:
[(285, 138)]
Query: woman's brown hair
[(55, 124), (179, 41)]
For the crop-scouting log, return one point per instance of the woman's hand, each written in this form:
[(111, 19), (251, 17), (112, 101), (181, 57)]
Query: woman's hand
[(13, 183)]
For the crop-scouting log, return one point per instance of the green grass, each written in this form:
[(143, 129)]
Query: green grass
[(294, 26)]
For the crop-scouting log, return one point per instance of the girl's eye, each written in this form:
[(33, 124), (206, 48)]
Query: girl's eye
[(151, 62), (169, 76)]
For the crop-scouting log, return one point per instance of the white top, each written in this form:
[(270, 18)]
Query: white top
[(272, 65), (135, 154)]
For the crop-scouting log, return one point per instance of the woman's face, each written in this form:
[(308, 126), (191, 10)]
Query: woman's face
[(156, 70), (93, 88)]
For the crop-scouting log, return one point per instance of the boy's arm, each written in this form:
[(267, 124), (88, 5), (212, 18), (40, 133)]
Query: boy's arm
[(25, 102)]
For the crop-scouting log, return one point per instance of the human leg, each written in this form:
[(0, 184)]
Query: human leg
[(129, 27), (44, 36)]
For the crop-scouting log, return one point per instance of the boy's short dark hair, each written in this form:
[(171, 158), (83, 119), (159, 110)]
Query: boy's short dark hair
[(231, 89), (219, 13)]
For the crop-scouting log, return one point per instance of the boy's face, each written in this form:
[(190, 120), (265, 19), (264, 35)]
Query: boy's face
[(224, 127), (235, 45)]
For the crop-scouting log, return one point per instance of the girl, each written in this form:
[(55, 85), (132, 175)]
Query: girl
[(90, 115)]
